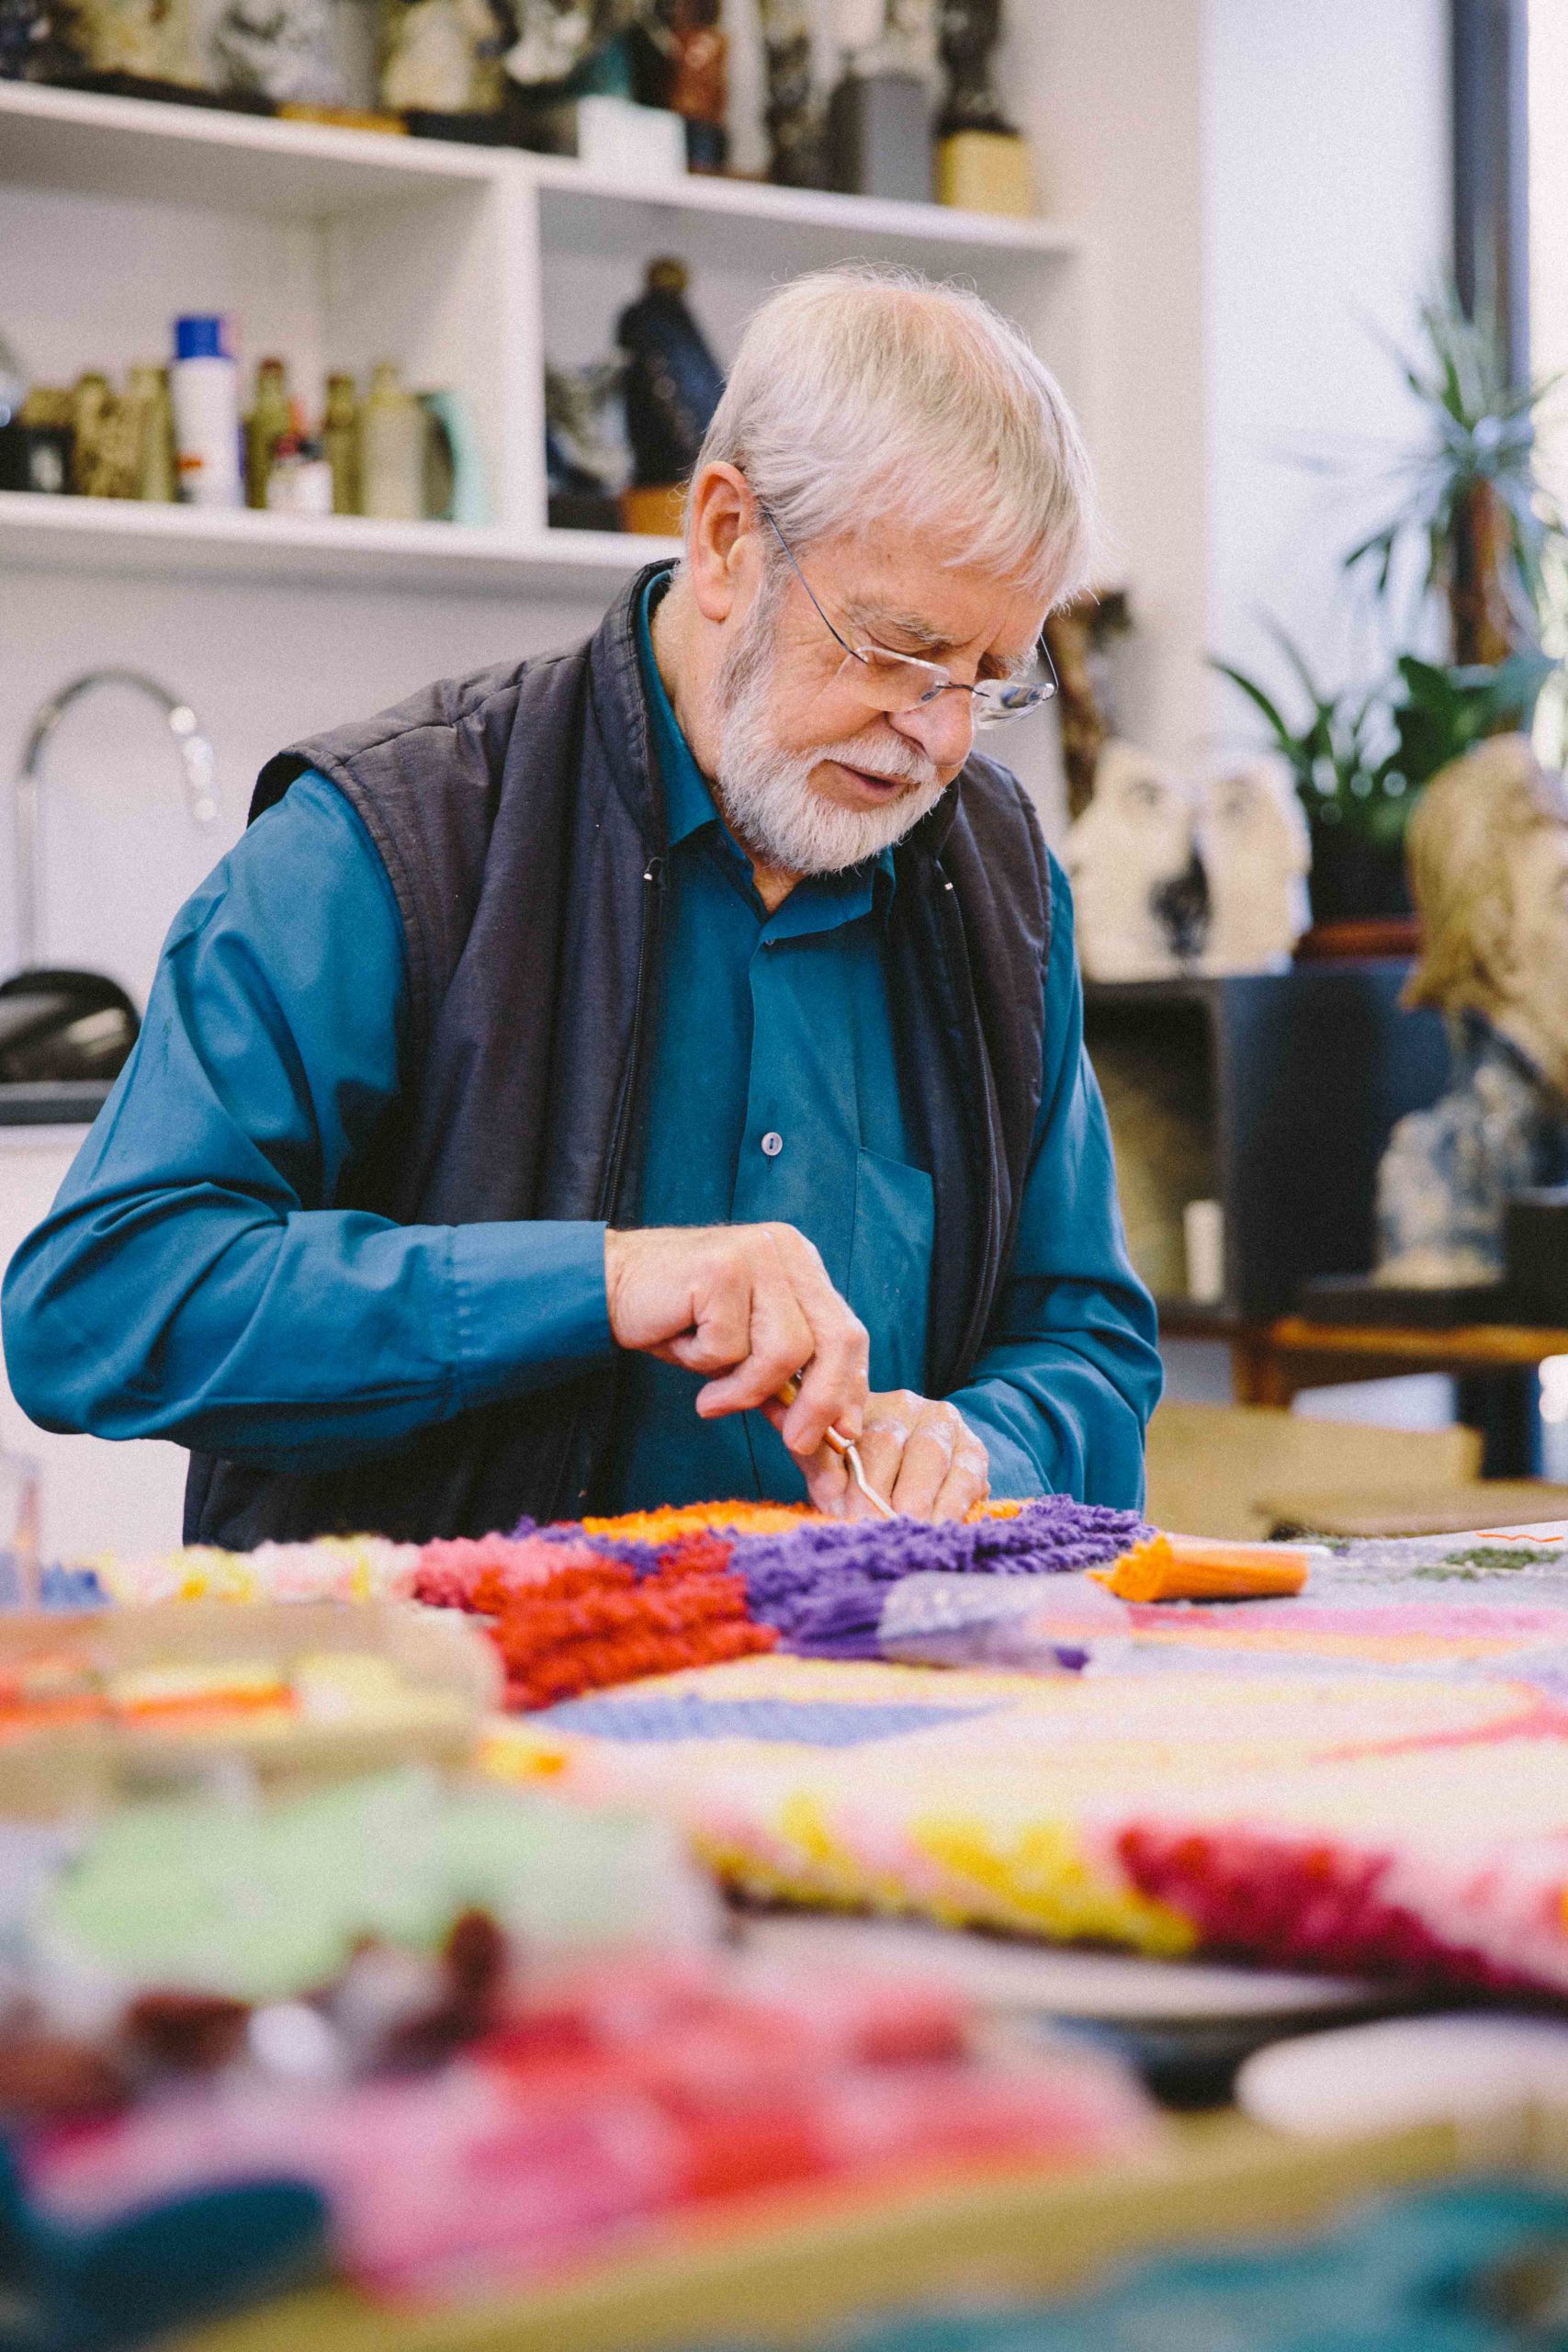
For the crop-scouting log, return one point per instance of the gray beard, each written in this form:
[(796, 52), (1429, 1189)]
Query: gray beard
[(768, 796)]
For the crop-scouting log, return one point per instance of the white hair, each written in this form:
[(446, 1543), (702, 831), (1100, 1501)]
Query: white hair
[(859, 394)]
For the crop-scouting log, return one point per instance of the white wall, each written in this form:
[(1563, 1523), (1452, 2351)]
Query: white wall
[(1111, 97), (260, 664), (1549, 216), (1325, 208), (1265, 186)]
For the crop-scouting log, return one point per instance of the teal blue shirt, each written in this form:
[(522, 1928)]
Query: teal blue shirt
[(195, 1279)]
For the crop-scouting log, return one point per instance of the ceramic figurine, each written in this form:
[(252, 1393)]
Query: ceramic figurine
[(442, 57), (879, 129), (967, 33), (1137, 888), (1253, 840), (981, 161), (29, 44), (281, 50), (1488, 856), (560, 43), (673, 381), (683, 63), (151, 41), (796, 146)]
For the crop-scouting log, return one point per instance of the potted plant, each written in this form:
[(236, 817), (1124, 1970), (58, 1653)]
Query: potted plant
[(1487, 534)]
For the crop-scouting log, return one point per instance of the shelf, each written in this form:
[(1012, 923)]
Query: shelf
[(147, 149), (122, 535)]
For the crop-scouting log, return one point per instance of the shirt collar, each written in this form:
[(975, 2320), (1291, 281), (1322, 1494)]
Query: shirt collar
[(688, 803)]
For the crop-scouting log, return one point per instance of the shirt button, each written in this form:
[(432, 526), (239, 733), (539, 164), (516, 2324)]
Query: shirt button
[(772, 1144)]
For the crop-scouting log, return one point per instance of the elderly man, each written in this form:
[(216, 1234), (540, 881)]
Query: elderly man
[(567, 1058)]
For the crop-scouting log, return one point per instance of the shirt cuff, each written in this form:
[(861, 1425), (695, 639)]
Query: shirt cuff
[(530, 1306), (1016, 1474)]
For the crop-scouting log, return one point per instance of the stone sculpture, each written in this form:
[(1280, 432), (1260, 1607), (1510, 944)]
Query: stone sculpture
[(1136, 885), (281, 50), (1488, 856), (1256, 853)]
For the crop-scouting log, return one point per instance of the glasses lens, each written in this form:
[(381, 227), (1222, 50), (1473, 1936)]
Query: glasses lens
[(898, 681), (997, 701)]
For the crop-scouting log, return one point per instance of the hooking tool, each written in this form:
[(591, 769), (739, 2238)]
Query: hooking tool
[(847, 1450)]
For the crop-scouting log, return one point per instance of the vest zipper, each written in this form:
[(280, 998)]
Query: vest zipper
[(653, 910)]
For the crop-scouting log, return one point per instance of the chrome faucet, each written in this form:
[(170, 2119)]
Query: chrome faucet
[(196, 759)]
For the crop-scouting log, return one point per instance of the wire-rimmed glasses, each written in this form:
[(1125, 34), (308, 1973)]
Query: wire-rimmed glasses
[(899, 681)]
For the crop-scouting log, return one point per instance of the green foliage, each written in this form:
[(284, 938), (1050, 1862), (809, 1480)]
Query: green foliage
[(1480, 430), (1359, 756), (1443, 712)]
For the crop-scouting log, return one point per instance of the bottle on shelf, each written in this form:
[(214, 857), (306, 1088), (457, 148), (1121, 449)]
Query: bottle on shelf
[(92, 406), (393, 434), (147, 395), (270, 419), (204, 383), (299, 480), (340, 436)]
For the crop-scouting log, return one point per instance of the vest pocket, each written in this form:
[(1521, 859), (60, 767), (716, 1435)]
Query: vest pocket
[(890, 1266)]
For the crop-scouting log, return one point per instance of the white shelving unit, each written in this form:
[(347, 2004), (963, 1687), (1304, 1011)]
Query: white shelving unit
[(468, 266)]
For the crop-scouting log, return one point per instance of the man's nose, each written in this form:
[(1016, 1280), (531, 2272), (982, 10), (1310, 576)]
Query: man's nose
[(943, 728)]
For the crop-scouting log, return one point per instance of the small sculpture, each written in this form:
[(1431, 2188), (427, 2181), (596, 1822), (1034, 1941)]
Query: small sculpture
[(1256, 851), (585, 451), (683, 63), (30, 47), (563, 46), (1488, 856), (281, 50), (968, 31), (982, 161), (797, 155), (149, 41), (1137, 888), (442, 57), (673, 382)]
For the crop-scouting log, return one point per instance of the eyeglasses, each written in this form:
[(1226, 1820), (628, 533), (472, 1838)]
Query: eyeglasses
[(897, 682)]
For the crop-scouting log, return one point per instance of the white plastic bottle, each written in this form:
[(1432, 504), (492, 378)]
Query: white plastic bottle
[(204, 383)]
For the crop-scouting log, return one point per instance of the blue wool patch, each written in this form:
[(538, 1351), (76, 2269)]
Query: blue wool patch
[(802, 1723)]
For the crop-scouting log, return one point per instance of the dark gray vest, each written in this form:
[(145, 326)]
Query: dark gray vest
[(521, 822)]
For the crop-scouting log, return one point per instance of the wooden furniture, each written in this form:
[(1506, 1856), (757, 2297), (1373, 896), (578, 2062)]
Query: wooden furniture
[(1496, 1364), (799, 2265), (1272, 1093), (1218, 1469), (1272, 1361)]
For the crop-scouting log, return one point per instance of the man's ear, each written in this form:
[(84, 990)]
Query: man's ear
[(721, 554)]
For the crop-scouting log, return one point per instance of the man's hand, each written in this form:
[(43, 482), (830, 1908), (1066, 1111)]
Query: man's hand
[(921, 1454), (750, 1304)]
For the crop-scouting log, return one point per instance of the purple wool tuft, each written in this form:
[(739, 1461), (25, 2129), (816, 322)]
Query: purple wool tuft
[(823, 1586)]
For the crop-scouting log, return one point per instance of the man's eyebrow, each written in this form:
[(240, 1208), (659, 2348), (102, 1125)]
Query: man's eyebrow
[(883, 620)]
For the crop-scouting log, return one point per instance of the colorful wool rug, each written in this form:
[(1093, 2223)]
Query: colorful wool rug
[(1374, 1816), (583, 1607)]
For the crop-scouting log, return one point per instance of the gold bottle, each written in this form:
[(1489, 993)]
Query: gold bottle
[(267, 423), (394, 433), (340, 438), (147, 396)]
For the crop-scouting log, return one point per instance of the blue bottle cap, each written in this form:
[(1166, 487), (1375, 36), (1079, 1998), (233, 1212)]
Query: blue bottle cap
[(202, 337)]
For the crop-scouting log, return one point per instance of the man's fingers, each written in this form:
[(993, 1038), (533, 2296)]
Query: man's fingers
[(967, 1483), (928, 1459), (889, 1425), (779, 1341), (834, 1386)]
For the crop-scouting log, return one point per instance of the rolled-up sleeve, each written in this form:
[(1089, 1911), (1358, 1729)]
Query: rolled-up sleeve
[(195, 1280), (1070, 1372)]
